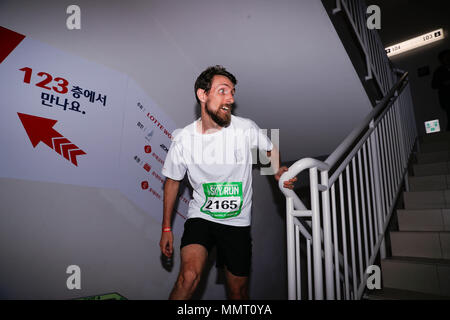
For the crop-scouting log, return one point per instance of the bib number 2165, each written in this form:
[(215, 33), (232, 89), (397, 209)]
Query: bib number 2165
[(223, 200)]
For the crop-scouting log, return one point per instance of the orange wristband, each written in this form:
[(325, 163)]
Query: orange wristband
[(167, 230)]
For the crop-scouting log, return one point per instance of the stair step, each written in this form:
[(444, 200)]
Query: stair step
[(422, 244), (431, 169), (437, 136), (398, 294), (429, 183), (420, 266), (427, 199), (431, 157), (424, 220), (430, 276), (433, 146)]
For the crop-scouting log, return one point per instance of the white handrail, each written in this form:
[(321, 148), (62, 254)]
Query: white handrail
[(374, 155), (294, 170), (339, 151), (381, 146), (293, 201)]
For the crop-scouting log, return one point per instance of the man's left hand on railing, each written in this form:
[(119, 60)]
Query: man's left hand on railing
[(288, 183)]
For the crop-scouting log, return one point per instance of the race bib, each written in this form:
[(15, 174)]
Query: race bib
[(223, 200)]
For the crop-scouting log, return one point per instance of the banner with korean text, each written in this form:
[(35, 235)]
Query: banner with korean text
[(67, 120)]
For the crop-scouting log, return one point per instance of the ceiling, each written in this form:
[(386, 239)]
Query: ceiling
[(293, 72)]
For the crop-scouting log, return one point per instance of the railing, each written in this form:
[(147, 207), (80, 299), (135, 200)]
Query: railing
[(377, 62), (359, 184)]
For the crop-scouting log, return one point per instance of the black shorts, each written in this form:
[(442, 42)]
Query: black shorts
[(234, 244)]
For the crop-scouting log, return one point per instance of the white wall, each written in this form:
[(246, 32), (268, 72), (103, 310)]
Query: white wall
[(45, 227)]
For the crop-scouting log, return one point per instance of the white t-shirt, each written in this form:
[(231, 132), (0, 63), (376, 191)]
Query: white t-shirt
[(219, 168)]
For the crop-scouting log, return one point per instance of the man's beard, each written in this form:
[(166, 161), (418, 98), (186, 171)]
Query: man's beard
[(221, 121)]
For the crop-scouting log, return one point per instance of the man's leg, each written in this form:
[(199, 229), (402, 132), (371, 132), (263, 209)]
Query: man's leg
[(234, 252), (237, 286), (193, 259)]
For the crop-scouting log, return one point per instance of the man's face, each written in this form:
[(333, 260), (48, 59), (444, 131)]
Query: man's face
[(220, 100)]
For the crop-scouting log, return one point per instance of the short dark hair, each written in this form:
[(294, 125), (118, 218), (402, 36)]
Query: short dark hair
[(442, 54), (204, 80)]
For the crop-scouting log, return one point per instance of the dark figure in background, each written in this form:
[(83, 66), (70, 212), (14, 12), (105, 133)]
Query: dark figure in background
[(441, 81)]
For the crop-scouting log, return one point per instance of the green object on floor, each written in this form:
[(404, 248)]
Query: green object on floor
[(106, 296)]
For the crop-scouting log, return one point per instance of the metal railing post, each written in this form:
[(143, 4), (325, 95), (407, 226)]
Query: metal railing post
[(406, 181), (338, 7), (328, 247), (316, 230), (290, 249), (376, 177)]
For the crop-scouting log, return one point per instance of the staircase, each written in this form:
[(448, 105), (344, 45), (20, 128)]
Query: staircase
[(355, 191), (419, 267)]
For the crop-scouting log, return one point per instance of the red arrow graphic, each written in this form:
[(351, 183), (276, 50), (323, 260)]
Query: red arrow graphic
[(66, 148), (57, 141), (41, 129), (73, 155), (10, 40)]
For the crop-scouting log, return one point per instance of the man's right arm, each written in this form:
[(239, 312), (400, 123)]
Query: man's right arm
[(171, 188)]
